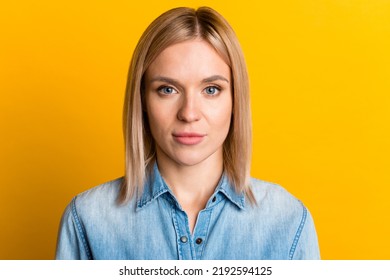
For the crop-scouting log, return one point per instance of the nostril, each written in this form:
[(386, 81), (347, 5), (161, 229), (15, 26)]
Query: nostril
[(188, 113)]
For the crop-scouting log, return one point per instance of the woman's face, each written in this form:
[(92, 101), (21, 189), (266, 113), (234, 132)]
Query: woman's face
[(188, 101)]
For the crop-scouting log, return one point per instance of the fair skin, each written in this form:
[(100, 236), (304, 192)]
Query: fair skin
[(188, 101)]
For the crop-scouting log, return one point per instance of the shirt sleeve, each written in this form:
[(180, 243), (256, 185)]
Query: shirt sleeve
[(71, 241), (306, 247)]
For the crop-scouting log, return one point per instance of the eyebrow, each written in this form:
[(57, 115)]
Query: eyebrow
[(215, 78), (176, 82), (164, 79)]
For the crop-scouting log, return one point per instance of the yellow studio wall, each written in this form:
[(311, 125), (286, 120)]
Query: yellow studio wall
[(320, 80)]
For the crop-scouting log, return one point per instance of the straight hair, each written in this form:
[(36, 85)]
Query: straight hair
[(172, 27)]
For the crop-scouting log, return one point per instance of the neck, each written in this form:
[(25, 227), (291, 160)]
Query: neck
[(192, 185)]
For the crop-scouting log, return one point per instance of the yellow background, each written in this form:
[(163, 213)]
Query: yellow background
[(320, 80)]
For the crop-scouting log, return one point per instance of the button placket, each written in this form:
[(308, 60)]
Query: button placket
[(201, 231), (183, 237)]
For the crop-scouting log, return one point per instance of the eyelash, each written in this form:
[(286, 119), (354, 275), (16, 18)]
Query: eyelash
[(217, 89), (162, 88)]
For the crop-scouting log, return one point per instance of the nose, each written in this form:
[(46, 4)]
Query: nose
[(189, 109)]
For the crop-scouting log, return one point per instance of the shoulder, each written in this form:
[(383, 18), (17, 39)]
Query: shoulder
[(278, 209), (266, 191), (104, 192), (275, 201), (97, 200), (86, 217)]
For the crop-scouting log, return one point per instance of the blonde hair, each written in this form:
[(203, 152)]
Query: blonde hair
[(175, 26)]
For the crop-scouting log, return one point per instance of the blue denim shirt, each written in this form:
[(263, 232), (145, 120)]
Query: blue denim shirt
[(154, 226)]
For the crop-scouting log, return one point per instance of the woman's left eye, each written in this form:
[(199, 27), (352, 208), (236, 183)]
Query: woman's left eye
[(211, 90)]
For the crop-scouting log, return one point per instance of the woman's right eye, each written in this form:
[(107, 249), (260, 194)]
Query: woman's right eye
[(166, 90)]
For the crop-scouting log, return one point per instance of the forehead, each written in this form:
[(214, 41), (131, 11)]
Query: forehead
[(194, 58)]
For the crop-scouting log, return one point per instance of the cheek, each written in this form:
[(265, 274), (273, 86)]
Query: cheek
[(226, 120), (151, 111), (158, 117), (155, 120), (222, 115)]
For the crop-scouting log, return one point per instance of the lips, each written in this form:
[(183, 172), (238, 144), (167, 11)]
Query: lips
[(188, 138)]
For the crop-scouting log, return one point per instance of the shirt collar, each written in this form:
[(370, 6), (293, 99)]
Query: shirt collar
[(155, 186), (225, 186)]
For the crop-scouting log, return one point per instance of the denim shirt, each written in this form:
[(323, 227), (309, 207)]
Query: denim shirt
[(154, 225)]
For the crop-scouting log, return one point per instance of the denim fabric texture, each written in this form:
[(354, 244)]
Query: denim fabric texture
[(154, 226)]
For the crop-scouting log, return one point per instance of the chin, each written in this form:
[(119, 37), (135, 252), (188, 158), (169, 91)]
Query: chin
[(189, 161), (192, 159)]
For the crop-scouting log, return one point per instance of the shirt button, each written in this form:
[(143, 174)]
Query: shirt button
[(184, 239), (214, 199), (199, 241)]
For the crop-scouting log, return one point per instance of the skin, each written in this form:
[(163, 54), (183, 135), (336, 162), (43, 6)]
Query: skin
[(188, 90)]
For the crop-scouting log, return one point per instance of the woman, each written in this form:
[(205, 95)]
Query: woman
[(187, 193)]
